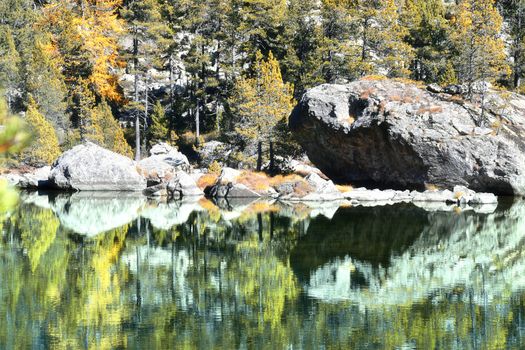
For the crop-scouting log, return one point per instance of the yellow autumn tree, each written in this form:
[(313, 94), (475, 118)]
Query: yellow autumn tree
[(45, 147), (475, 35), (85, 36), (260, 103), (104, 130)]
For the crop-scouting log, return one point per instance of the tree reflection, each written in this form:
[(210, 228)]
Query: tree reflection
[(266, 275)]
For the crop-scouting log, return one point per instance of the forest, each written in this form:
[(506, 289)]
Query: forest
[(126, 74)]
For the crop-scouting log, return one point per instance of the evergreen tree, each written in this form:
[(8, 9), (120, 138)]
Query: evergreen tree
[(427, 30), (44, 81), (105, 130), (159, 130), (44, 148), (475, 36), (260, 103), (9, 64), (513, 12)]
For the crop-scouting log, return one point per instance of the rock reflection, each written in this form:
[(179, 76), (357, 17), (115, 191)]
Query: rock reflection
[(90, 213), (403, 255)]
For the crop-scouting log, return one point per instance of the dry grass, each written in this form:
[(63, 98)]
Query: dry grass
[(344, 188), (254, 180), (374, 78), (430, 109), (258, 181), (365, 95), (207, 180), (431, 187), (419, 84)]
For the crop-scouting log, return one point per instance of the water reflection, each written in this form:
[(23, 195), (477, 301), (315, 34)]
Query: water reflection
[(99, 271)]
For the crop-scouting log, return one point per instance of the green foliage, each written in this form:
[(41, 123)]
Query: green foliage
[(261, 102), (197, 59), (105, 130), (44, 148), (475, 36), (13, 138), (159, 130)]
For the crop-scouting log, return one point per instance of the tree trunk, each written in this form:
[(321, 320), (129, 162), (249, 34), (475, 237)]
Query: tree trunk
[(136, 97), (272, 160), (146, 116), (259, 156), (197, 123)]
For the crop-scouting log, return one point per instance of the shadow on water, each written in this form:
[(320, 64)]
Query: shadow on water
[(371, 234)]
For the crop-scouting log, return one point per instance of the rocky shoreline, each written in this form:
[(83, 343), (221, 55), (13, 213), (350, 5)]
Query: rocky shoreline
[(167, 174)]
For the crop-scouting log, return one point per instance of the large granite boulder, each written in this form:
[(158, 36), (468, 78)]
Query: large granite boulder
[(88, 167), (389, 134)]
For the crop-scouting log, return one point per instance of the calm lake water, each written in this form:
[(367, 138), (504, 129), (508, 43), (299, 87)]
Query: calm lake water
[(96, 271)]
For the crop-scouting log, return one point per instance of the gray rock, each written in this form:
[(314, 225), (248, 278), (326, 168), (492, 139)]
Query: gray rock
[(163, 163), (324, 190), (89, 167), (388, 134), (241, 191), (182, 185), (445, 196), (214, 151), (159, 190), (36, 178), (435, 88), (228, 175), (232, 191)]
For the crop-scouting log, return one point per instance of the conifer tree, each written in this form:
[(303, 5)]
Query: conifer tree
[(159, 130), (513, 12), (104, 130), (44, 148), (427, 26), (44, 81), (9, 64), (479, 49), (260, 103)]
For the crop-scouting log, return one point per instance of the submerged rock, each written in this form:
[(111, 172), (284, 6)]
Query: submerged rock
[(89, 167), (389, 134)]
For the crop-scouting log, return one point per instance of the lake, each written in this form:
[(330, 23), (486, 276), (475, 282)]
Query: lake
[(117, 271)]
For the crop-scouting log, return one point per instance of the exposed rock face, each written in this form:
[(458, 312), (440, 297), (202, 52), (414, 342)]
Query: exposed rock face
[(163, 163), (89, 167), (214, 151), (389, 134), (183, 185), (36, 178)]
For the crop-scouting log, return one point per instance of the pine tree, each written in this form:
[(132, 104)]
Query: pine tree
[(260, 103), (104, 130), (159, 130), (45, 148), (514, 13), (427, 30), (479, 49), (44, 81), (9, 64)]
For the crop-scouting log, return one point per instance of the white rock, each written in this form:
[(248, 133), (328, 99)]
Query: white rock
[(88, 167)]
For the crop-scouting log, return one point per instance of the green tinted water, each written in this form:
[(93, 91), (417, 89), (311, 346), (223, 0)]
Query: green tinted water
[(100, 272)]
